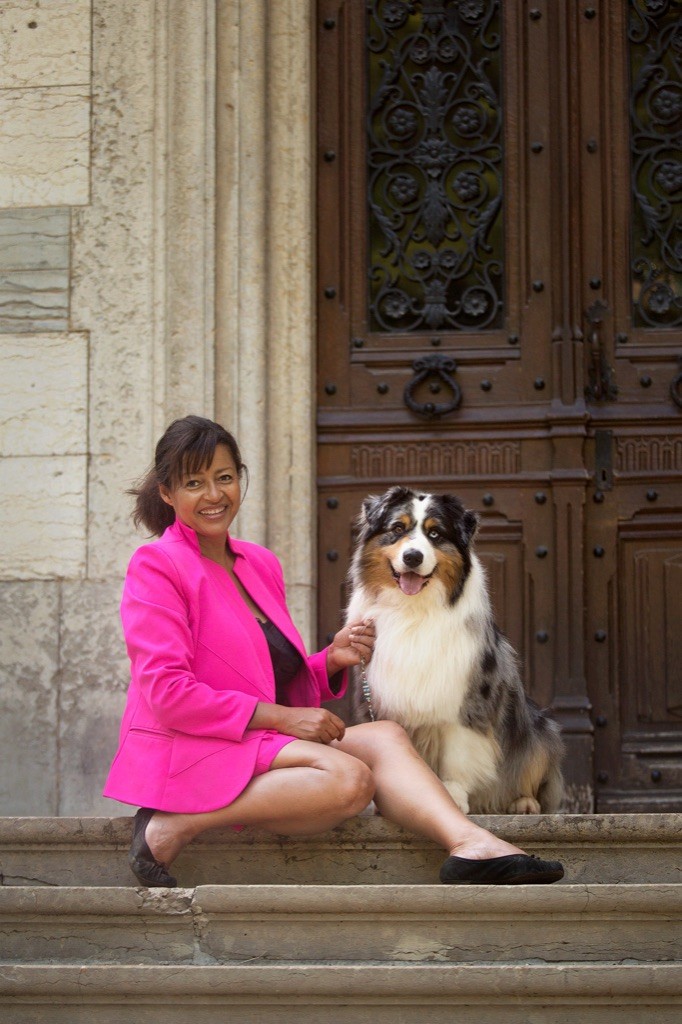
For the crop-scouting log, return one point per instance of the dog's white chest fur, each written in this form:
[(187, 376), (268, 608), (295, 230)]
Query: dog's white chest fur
[(425, 650)]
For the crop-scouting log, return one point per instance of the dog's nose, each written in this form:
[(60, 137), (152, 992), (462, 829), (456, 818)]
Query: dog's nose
[(413, 558)]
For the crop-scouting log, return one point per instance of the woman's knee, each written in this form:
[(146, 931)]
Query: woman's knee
[(355, 785), (389, 734)]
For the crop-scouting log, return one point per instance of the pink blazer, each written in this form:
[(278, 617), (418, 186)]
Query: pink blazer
[(199, 666)]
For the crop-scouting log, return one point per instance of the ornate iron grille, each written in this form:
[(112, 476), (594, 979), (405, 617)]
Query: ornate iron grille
[(655, 37), (435, 165)]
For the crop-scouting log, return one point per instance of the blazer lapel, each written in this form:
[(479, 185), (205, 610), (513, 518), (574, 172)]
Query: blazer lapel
[(267, 600)]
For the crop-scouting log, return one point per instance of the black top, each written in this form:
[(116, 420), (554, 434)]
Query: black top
[(286, 660)]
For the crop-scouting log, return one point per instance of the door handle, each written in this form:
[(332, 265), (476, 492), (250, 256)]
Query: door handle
[(602, 387), (675, 386)]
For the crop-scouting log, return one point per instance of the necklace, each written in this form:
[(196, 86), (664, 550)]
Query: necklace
[(366, 692)]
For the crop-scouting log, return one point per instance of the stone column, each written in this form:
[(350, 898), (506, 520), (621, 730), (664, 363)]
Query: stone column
[(264, 274)]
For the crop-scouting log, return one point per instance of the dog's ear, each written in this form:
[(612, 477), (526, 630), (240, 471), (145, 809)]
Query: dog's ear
[(470, 521), (370, 512)]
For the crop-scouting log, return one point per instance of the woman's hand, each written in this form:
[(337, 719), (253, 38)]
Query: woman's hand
[(351, 645), (315, 724)]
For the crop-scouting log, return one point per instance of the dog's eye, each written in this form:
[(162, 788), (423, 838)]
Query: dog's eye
[(433, 534), (398, 528)]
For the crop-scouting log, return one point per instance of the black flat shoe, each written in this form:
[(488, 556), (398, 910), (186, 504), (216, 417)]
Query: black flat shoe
[(515, 869), (143, 864)]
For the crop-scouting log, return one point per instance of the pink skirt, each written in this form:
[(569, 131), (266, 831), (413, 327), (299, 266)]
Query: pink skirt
[(270, 746)]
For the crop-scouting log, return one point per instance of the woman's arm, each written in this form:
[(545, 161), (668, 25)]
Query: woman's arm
[(156, 623)]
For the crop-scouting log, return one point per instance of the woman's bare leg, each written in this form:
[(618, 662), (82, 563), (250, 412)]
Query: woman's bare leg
[(310, 788), (408, 793)]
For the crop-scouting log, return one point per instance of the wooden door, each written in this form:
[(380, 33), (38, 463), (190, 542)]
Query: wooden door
[(500, 299)]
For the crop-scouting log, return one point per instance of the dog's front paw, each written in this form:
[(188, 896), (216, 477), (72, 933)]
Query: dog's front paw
[(458, 794), (524, 805)]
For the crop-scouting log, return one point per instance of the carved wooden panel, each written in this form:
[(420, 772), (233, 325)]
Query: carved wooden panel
[(548, 395)]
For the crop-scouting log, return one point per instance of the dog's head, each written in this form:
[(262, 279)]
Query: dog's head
[(407, 538)]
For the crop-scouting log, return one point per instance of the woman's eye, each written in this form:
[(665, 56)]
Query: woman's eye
[(226, 478), (192, 484)]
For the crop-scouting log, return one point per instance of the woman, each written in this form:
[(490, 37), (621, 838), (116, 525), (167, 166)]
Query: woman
[(223, 724)]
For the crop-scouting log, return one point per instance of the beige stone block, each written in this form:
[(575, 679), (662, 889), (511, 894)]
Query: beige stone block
[(42, 508), (92, 694), (29, 632), (43, 395), (44, 43), (45, 146)]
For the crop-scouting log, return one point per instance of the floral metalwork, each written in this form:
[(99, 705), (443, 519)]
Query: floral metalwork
[(435, 165), (655, 37)]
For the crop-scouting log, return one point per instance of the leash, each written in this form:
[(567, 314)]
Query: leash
[(366, 692)]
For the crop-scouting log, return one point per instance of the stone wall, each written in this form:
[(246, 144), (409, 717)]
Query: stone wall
[(133, 290)]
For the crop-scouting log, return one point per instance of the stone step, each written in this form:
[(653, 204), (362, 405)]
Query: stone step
[(608, 848), (571, 993), (315, 923)]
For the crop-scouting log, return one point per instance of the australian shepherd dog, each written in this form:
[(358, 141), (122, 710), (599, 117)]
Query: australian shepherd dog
[(440, 667)]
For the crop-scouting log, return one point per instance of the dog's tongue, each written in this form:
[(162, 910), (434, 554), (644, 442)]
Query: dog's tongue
[(411, 583)]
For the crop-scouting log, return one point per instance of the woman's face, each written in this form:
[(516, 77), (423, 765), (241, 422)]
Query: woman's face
[(208, 500)]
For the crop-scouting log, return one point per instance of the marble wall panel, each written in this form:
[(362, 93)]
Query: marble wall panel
[(44, 43), (45, 146), (34, 239), (43, 394), (29, 681), (34, 270), (92, 696), (42, 509)]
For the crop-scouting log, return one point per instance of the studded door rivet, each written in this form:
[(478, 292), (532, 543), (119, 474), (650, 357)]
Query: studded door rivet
[(486, 385), (330, 388), (651, 495), (382, 388), (598, 497), (538, 286), (542, 636), (600, 636), (332, 556), (603, 777), (656, 775), (598, 552), (541, 552), (645, 380), (540, 497), (330, 293), (488, 500), (332, 502), (539, 384)]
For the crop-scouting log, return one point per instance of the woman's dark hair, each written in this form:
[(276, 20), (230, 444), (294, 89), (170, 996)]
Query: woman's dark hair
[(187, 446)]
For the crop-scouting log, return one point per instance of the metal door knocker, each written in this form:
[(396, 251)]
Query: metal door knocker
[(438, 366)]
